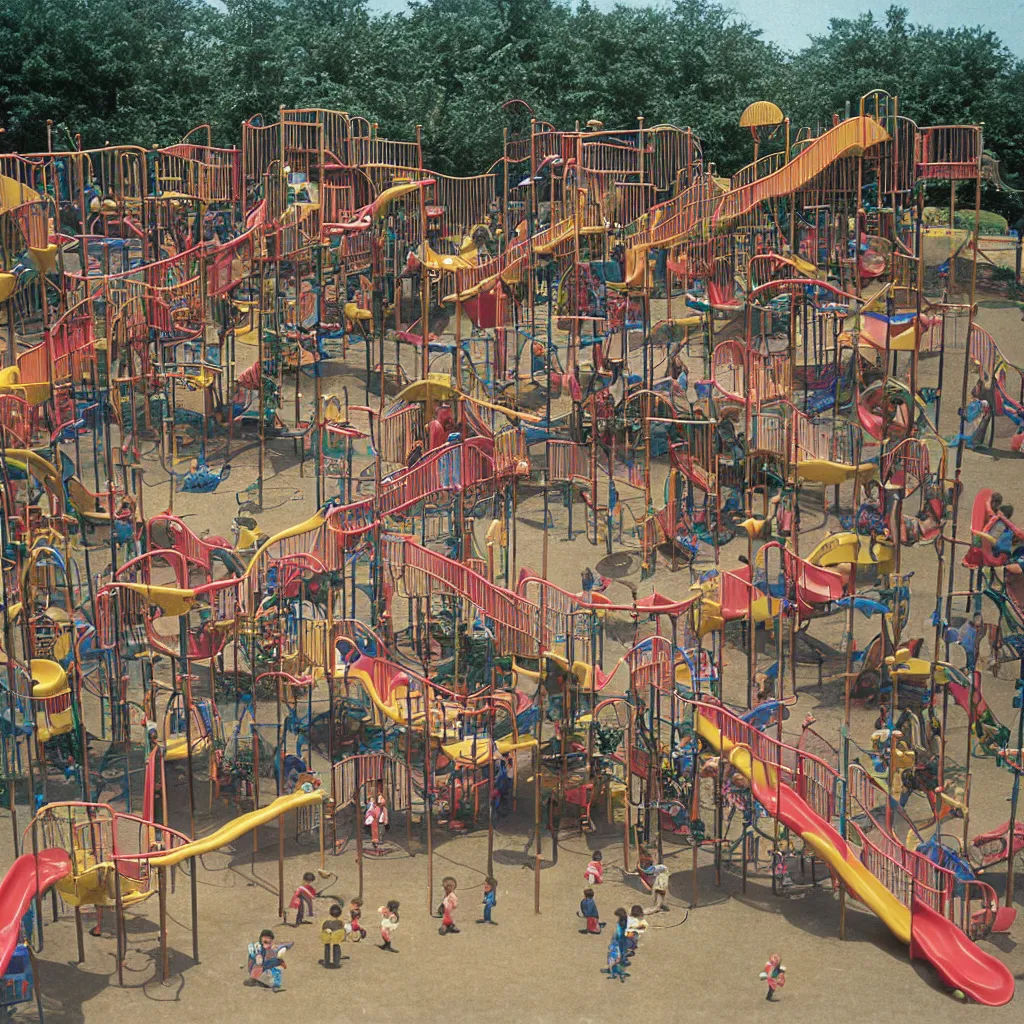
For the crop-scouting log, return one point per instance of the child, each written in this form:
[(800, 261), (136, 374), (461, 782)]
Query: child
[(621, 920), (449, 905), (265, 963), (658, 875), (969, 638), (775, 974), (388, 924), (354, 930), (332, 949), (376, 815), (588, 910), (636, 925), (780, 870), (490, 900), (595, 869), (302, 900), (615, 968)]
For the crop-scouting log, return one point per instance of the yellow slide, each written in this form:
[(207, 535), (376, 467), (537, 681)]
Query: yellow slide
[(849, 137), (306, 526), (47, 474), (52, 695), (43, 471), (239, 827), (13, 193), (435, 261), (401, 704), (9, 615), (847, 548), (170, 600), (395, 709), (821, 471), (10, 377), (790, 808)]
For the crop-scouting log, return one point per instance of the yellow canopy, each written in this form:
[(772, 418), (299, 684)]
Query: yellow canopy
[(170, 600), (435, 387)]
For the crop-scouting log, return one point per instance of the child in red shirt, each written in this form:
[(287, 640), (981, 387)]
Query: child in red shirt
[(302, 900), (595, 869), (354, 930)]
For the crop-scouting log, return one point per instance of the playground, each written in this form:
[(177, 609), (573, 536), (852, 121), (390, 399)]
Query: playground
[(365, 528)]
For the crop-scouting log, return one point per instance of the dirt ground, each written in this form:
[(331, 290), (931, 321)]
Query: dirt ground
[(697, 960)]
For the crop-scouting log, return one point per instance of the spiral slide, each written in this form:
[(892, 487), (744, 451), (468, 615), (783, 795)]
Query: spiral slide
[(27, 876), (959, 962)]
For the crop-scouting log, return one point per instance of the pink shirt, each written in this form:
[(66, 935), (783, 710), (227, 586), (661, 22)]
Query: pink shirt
[(451, 901)]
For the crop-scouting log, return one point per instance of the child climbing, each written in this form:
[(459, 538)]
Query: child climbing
[(388, 924), (448, 906), (490, 900), (588, 911)]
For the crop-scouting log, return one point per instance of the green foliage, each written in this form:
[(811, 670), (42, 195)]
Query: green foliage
[(145, 71)]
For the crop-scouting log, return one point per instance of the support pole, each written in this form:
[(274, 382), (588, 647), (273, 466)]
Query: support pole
[(162, 896)]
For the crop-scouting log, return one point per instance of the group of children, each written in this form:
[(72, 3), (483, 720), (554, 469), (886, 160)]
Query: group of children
[(450, 903), (629, 927), (266, 961)]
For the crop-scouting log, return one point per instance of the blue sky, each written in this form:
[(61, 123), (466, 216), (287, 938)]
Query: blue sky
[(789, 22)]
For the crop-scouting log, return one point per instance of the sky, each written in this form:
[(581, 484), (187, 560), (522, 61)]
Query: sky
[(790, 22)]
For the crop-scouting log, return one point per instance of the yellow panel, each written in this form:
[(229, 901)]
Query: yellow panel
[(761, 113)]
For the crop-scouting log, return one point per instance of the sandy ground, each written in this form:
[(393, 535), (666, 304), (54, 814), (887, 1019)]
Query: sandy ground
[(698, 960)]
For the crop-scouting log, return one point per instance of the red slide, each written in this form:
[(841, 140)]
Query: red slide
[(735, 587), (958, 961), (26, 876)]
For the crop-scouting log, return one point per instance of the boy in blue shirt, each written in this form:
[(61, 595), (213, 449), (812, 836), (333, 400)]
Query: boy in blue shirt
[(490, 900), (588, 910)]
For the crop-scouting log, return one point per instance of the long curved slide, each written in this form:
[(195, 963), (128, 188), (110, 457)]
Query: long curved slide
[(27, 876), (959, 962), (848, 138), (237, 828)]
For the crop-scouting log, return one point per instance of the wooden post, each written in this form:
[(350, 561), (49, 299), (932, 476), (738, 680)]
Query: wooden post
[(194, 883), (118, 925), (280, 866), (162, 895), (357, 775), (38, 990)]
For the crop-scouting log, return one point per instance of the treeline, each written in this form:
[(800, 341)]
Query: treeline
[(146, 71)]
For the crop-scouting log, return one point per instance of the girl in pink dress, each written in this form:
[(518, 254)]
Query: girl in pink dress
[(449, 905), (376, 815)]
